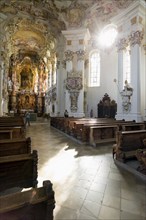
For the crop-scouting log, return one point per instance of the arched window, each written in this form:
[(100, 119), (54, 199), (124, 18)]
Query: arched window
[(126, 66), (94, 76)]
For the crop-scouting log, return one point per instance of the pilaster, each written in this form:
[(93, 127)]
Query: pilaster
[(76, 42), (131, 26)]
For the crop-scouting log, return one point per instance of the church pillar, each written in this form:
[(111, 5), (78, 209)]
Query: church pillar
[(122, 44), (132, 27), (80, 66), (76, 42), (4, 63), (144, 68), (119, 84), (69, 55), (1, 89), (135, 42)]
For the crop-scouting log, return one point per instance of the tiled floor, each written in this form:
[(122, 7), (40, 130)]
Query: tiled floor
[(87, 183)]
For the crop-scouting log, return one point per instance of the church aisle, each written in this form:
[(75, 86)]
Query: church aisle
[(86, 182)]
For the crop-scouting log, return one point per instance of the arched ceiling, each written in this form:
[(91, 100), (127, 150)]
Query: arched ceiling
[(34, 25)]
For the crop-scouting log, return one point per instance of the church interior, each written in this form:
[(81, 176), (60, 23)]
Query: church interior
[(78, 67)]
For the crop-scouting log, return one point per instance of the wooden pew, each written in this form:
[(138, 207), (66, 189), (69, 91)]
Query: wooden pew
[(15, 147), (13, 123), (78, 126), (5, 133), (12, 132), (86, 130), (18, 171), (102, 134), (122, 125), (82, 128), (10, 121), (33, 204), (131, 126), (141, 157), (127, 143)]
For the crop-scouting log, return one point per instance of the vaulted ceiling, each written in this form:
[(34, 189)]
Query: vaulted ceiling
[(35, 25)]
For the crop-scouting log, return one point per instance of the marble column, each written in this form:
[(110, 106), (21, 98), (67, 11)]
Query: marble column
[(135, 41), (119, 84), (80, 68), (122, 44), (144, 70), (1, 89), (76, 43), (69, 56)]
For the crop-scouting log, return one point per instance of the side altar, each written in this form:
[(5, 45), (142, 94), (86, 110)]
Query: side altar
[(27, 86)]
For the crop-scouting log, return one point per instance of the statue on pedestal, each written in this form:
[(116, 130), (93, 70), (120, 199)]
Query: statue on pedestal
[(126, 96)]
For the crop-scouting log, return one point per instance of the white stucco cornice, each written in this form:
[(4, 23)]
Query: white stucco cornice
[(82, 33), (137, 8)]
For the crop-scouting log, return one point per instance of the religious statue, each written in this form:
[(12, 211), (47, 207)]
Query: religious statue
[(126, 96), (10, 84)]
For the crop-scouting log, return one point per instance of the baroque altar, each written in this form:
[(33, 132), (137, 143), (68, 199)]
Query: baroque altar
[(26, 86)]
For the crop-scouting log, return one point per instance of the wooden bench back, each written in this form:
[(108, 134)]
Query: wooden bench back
[(131, 140), (18, 171), (36, 203), (14, 132), (15, 146), (11, 121)]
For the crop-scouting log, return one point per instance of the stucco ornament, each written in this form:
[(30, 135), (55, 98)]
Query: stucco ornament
[(74, 81), (122, 44), (74, 85), (136, 38), (69, 55), (75, 15)]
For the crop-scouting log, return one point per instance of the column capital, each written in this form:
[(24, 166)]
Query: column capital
[(69, 55), (122, 44), (80, 54), (136, 38)]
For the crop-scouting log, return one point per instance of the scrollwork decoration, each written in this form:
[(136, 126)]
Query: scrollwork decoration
[(80, 54), (69, 55), (74, 85), (136, 38), (122, 44)]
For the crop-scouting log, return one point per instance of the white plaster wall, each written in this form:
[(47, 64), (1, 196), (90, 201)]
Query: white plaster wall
[(109, 68), (143, 84)]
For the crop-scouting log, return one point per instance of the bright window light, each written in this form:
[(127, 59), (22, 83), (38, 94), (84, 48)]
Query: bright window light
[(107, 36)]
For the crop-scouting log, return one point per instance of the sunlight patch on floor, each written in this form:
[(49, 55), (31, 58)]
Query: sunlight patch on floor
[(60, 167)]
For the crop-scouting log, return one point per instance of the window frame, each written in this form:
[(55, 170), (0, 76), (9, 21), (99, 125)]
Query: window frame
[(95, 74), (126, 67)]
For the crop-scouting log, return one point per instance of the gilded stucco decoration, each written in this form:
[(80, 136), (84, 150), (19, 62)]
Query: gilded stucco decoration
[(54, 94), (59, 15), (32, 28), (75, 15), (69, 55), (136, 38), (51, 95), (74, 84), (29, 36), (74, 80), (122, 44), (80, 54)]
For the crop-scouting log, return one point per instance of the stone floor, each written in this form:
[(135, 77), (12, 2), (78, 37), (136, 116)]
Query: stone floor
[(87, 183)]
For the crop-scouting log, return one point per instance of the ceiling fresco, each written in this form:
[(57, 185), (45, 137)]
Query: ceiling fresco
[(35, 25)]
